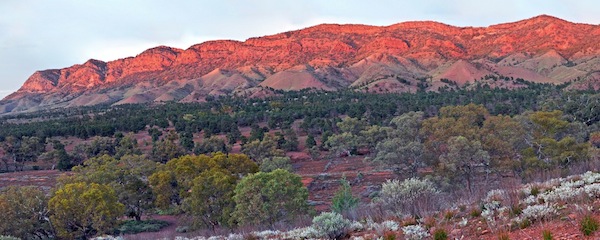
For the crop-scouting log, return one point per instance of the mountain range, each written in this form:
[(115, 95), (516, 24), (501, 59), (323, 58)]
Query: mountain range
[(403, 57)]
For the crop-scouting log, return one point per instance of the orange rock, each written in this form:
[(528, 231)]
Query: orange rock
[(334, 56)]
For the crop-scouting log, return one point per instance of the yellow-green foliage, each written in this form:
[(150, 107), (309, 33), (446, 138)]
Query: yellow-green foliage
[(81, 210), (267, 198), (174, 180), (24, 213)]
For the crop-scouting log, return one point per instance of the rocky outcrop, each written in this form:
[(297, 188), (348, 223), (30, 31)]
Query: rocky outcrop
[(328, 57)]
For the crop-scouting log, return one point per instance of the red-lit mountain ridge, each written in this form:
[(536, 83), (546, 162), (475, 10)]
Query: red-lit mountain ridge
[(329, 57)]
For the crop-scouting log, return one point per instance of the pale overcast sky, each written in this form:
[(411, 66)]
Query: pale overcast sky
[(45, 34)]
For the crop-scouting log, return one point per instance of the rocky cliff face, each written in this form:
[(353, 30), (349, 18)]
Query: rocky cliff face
[(329, 57)]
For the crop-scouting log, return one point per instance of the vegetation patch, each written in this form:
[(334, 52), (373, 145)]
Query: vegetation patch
[(133, 226)]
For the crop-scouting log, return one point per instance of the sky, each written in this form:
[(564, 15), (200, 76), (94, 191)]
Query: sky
[(51, 34)]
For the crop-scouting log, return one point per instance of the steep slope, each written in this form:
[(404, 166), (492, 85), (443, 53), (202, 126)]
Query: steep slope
[(328, 57)]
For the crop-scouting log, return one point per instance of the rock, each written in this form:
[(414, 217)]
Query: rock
[(327, 56)]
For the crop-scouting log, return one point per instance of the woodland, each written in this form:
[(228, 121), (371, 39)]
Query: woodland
[(229, 164)]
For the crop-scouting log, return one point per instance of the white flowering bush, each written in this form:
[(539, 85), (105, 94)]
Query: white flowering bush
[(391, 225), (107, 237), (357, 226), (301, 233), (415, 232), (413, 196), (267, 234), (590, 177), (539, 212), (493, 212), (331, 225), (592, 190), (234, 236)]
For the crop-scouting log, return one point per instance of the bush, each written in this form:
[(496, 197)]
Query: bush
[(343, 200), (2, 237), (475, 213), (415, 232), (588, 225), (270, 164), (413, 196), (330, 224), (133, 227), (539, 212), (440, 234), (269, 198)]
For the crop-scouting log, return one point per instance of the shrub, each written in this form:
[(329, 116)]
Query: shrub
[(475, 213), (592, 190), (270, 164), (344, 201), (449, 215), (535, 190), (588, 225), (440, 234), (525, 223), (133, 227), (268, 198), (539, 212), (330, 224), (547, 235), (301, 233), (2, 237), (412, 196), (415, 232), (182, 229)]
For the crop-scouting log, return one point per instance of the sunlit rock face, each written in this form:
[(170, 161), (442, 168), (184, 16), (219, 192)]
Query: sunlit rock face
[(327, 57)]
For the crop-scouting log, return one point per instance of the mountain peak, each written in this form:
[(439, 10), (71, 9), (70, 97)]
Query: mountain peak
[(331, 57)]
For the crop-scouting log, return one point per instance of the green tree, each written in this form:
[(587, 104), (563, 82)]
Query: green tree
[(343, 201), (342, 144), (268, 198), (127, 145), (291, 140), (164, 186), (11, 148), (464, 158), (351, 125), (211, 200), (174, 180), (25, 213), (186, 140), (310, 141), (406, 157), (81, 210), (259, 150), (549, 143), (30, 148), (64, 161), (270, 164), (167, 148), (372, 135), (97, 147), (136, 195), (211, 145), (128, 176), (155, 134)]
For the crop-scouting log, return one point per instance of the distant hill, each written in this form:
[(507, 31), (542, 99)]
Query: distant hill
[(397, 58)]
